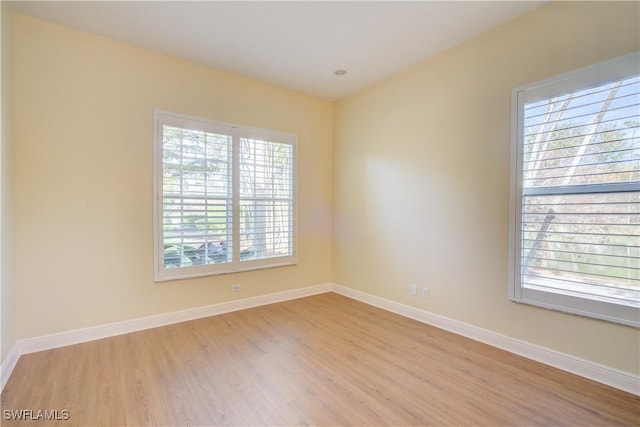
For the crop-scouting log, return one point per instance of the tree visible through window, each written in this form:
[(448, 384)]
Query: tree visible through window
[(225, 198), (576, 201)]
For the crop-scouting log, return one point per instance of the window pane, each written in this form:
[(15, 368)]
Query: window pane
[(196, 231), (196, 162), (586, 137), (583, 243), (266, 199), (197, 219), (266, 169), (575, 199), (265, 229)]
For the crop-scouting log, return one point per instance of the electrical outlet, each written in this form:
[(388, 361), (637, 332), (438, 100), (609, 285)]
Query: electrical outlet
[(235, 288), (425, 293), (414, 290)]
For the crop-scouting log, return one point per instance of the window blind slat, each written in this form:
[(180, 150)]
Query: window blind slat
[(578, 126), (528, 150), (613, 260), (578, 243), (572, 125), (625, 151), (624, 101), (586, 94), (552, 258)]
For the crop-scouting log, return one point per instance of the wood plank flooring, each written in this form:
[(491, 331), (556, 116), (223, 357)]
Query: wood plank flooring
[(321, 360)]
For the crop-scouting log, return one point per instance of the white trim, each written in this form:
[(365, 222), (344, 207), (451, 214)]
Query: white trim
[(47, 342), (575, 365), (61, 339), (8, 364), (603, 374)]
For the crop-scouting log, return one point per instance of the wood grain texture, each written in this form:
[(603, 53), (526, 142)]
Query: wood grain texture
[(321, 360)]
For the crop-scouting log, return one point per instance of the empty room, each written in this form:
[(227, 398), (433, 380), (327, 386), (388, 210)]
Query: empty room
[(320, 213)]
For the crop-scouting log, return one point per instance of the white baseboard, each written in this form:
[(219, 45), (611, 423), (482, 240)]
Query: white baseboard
[(603, 374), (51, 341), (47, 342), (584, 368), (8, 364)]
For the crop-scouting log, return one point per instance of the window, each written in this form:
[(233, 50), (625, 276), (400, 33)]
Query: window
[(224, 197), (575, 192)]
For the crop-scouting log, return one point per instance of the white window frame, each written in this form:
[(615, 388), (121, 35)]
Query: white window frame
[(161, 118), (615, 69)]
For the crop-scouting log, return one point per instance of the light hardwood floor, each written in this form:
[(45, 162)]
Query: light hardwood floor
[(321, 360)]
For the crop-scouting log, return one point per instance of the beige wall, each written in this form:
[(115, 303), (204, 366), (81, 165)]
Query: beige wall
[(83, 135), (421, 177), (7, 279)]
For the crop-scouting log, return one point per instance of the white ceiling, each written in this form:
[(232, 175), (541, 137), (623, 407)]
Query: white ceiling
[(295, 45)]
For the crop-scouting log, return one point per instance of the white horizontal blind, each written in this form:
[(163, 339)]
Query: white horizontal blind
[(225, 198), (579, 186), (266, 199), (196, 197)]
